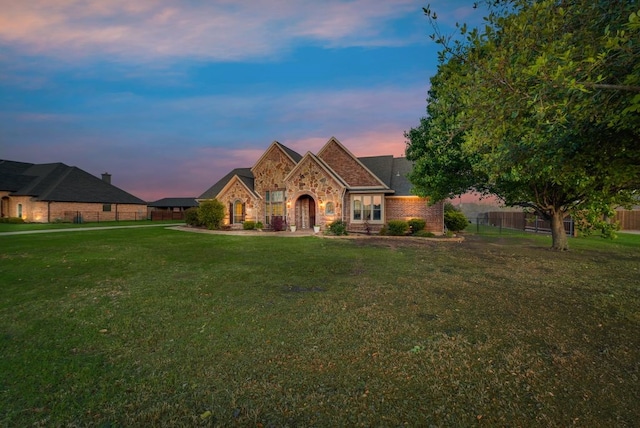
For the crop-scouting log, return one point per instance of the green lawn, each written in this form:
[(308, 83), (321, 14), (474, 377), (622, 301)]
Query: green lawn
[(155, 327)]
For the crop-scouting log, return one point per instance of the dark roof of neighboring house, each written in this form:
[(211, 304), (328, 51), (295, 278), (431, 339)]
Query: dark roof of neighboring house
[(58, 182), (244, 174), (174, 202)]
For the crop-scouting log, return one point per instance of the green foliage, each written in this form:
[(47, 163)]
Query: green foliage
[(455, 221), (259, 225), (191, 217), (539, 107), (249, 225), (338, 228), (397, 228), (416, 225), (211, 214), (424, 234), (383, 230), (11, 220)]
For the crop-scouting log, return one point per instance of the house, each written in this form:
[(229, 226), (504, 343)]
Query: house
[(58, 192), (317, 189), (170, 208)]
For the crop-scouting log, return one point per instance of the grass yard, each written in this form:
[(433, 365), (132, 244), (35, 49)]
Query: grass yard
[(155, 327)]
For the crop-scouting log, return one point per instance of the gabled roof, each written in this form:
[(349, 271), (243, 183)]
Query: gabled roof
[(331, 144), (174, 202), (399, 177), (294, 156), (57, 182), (244, 174), (322, 164)]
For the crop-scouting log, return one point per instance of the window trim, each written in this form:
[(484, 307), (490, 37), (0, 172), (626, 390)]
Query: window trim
[(362, 198)]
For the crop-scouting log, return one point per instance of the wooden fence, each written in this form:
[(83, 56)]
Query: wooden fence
[(629, 219), (160, 215)]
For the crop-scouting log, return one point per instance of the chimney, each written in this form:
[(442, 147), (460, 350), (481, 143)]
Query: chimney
[(106, 177)]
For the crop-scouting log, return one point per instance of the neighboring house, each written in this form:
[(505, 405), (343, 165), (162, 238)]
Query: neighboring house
[(57, 192), (316, 189), (170, 208)]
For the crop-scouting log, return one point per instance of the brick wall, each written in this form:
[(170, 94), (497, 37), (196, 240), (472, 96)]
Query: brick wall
[(406, 208), (43, 212), (346, 166)]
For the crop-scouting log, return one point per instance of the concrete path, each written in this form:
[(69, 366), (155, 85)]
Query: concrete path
[(84, 229)]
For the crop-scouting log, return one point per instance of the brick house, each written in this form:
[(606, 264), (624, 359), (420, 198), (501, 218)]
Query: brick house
[(56, 192), (316, 189)]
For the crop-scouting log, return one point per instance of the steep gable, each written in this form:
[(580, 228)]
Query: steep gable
[(347, 166), (272, 168), (312, 173), (243, 174)]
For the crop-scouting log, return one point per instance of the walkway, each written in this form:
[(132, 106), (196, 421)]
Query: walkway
[(84, 229)]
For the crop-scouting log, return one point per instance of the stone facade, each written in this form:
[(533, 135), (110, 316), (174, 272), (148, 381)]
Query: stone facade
[(319, 189)]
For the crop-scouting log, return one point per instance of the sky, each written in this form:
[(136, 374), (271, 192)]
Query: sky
[(168, 96)]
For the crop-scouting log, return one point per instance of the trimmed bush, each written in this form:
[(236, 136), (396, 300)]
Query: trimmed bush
[(424, 234), (11, 220), (211, 214), (337, 228), (397, 227), (191, 217), (249, 225), (259, 225), (416, 225), (455, 221)]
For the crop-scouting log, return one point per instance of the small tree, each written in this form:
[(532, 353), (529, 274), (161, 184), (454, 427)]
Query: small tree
[(211, 214), (454, 220)]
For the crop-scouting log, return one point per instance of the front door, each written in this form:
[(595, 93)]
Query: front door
[(305, 212)]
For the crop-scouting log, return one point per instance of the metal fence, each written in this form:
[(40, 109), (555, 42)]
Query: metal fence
[(101, 216), (520, 221)]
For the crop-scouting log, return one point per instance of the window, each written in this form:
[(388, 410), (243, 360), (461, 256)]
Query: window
[(20, 210), (366, 208), (106, 208), (329, 209), (238, 212), (274, 205)]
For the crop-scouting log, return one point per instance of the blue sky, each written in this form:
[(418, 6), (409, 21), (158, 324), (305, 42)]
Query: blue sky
[(168, 96)]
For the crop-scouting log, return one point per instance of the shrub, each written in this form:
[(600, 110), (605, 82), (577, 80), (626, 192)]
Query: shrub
[(249, 225), (383, 230), (277, 223), (455, 221), (416, 225), (424, 234), (337, 228), (397, 227), (211, 214), (259, 225), (11, 220), (191, 217)]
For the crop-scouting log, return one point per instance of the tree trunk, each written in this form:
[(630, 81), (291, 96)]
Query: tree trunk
[(559, 238)]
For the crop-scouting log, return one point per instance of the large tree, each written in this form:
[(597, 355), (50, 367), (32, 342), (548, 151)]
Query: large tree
[(541, 107)]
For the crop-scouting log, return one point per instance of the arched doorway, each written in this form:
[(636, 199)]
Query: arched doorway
[(305, 213)]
